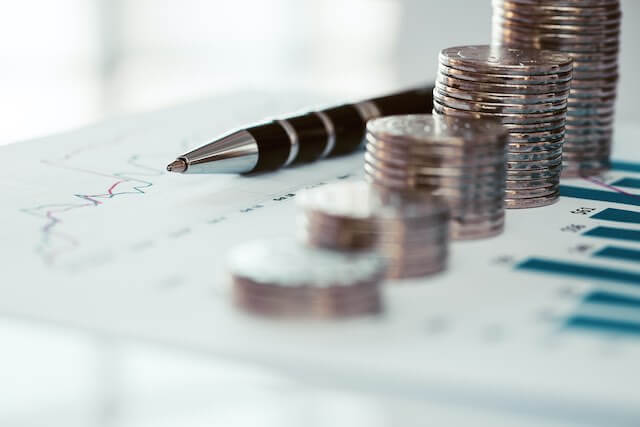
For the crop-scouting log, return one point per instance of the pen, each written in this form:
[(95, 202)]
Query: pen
[(299, 139)]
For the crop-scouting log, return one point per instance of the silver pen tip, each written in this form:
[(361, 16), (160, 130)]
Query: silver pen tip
[(177, 165)]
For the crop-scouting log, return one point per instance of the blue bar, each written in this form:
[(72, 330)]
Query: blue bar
[(603, 325), (602, 195), (619, 215), (627, 182), (607, 298), (621, 254), (614, 233), (581, 271), (625, 166)]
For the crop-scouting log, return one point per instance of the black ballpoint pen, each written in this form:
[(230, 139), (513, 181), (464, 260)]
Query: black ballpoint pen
[(299, 139)]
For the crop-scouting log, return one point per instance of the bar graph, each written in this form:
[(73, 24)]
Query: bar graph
[(599, 195), (611, 299), (618, 215), (614, 233), (579, 271), (627, 182), (597, 324), (618, 165), (619, 254)]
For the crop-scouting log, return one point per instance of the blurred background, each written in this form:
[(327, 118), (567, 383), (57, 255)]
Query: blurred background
[(68, 63)]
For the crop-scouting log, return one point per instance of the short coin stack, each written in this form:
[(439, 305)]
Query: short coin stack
[(462, 160), (409, 230), (281, 278), (527, 91), (589, 31)]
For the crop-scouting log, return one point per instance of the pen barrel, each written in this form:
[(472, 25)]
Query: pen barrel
[(415, 101), (274, 146), (348, 128), (312, 136)]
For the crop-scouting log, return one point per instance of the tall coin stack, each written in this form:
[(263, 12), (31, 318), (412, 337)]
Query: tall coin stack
[(527, 91), (462, 160), (283, 278), (589, 31), (409, 230)]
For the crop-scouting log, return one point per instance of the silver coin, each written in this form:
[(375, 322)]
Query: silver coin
[(284, 267), (590, 111), (541, 136), (533, 164), (535, 202), (430, 182), (510, 88), (534, 156), (518, 175), (416, 164), (512, 38), (534, 147), (565, 39), (585, 169), (556, 9), (439, 148), (591, 102), (513, 19), (533, 183), (505, 78), (499, 108), (429, 129), (598, 22), (504, 118), (528, 193), (500, 97), (500, 59)]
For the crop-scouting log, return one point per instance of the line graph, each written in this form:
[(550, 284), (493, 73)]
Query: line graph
[(54, 240)]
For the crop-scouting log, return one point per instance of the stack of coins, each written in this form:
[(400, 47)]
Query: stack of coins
[(589, 31), (527, 91), (282, 278), (462, 160), (409, 230)]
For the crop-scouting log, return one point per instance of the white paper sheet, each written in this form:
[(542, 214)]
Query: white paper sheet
[(96, 235)]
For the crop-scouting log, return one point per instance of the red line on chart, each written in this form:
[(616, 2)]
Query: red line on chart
[(608, 186)]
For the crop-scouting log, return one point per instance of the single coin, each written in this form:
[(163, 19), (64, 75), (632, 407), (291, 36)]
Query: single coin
[(507, 60), (429, 129), (505, 78)]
